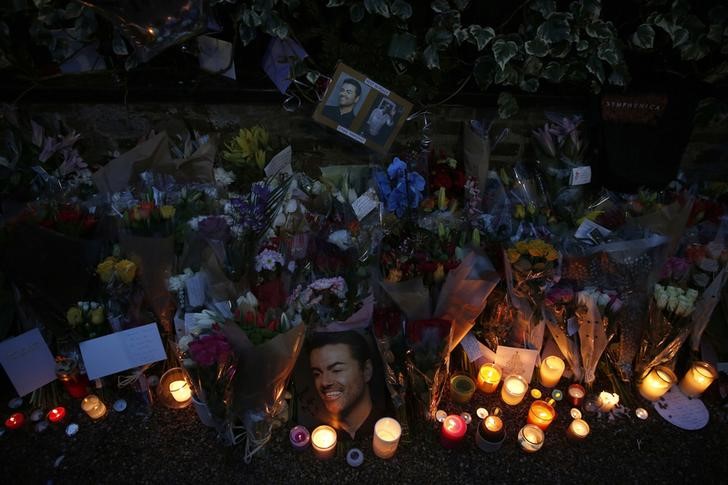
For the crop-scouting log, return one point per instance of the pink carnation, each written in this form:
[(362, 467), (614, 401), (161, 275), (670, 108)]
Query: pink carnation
[(209, 349)]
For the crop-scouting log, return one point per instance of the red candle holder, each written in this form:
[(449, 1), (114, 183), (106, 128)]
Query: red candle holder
[(57, 414), (576, 394), (15, 421), (452, 431), (74, 381)]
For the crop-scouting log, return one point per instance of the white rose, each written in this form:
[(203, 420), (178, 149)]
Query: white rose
[(341, 238)]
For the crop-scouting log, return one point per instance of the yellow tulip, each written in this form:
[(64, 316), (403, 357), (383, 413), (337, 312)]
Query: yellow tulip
[(125, 270), (97, 315), (105, 269), (74, 316), (167, 211)]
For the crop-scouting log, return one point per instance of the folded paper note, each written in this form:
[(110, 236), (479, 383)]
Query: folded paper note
[(27, 361)]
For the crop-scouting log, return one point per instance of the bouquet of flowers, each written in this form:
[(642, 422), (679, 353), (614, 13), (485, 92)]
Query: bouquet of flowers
[(247, 154), (87, 320), (118, 276), (530, 213), (401, 189)]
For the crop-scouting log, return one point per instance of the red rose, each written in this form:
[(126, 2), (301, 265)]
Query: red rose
[(270, 295)]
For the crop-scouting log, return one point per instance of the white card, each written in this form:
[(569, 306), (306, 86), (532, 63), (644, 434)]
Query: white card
[(190, 322), (580, 175), (518, 361), (28, 361), (195, 286), (280, 163), (476, 351), (682, 411), (215, 56), (223, 308), (121, 351), (587, 227), (364, 204)]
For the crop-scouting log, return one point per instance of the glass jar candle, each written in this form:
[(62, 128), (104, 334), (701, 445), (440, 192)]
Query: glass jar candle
[(578, 430), (300, 437), (452, 431), (513, 390), (323, 439), (697, 379), (94, 407), (387, 432), (489, 377), (531, 438), (657, 382), (576, 394), (462, 388), (491, 434), (69, 373), (550, 370), (541, 414)]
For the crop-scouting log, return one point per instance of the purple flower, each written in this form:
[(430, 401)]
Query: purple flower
[(215, 227)]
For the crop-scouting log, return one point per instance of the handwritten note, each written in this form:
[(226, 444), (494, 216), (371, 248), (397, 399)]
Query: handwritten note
[(195, 287), (364, 204), (27, 361), (280, 163), (515, 360), (122, 351), (682, 411), (476, 352)]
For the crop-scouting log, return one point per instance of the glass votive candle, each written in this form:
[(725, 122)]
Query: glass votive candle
[(541, 413), (576, 393), (490, 434), (462, 388), (697, 379), (578, 430), (387, 432), (513, 390), (323, 439), (550, 370), (489, 377), (180, 390), (657, 382), (300, 437), (452, 431), (15, 421), (94, 407), (57, 414), (531, 438)]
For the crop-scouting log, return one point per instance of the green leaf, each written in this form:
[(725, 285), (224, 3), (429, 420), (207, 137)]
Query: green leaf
[(582, 45), (461, 35), (644, 37), (461, 4), (679, 36), (245, 33), (599, 30), (252, 18), (554, 30), (529, 85), (554, 71), (432, 58), (377, 6), (608, 52), (335, 3), (484, 72), (507, 105), (594, 65), (591, 8), (440, 38), (694, 51), (401, 9), (403, 46), (356, 12), (715, 33), (507, 76), (532, 66), (561, 49), (440, 6), (504, 51), (536, 47), (275, 26), (544, 7), (481, 35)]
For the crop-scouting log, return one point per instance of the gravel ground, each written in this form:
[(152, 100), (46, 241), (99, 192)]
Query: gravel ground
[(172, 446)]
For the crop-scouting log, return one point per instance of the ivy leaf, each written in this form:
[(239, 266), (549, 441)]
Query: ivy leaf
[(679, 36), (504, 51), (432, 58), (599, 29), (582, 45), (536, 47), (335, 3), (356, 12), (118, 45), (507, 105), (694, 51), (507, 76), (594, 65), (544, 7), (532, 66), (252, 18), (715, 33), (401, 9), (277, 27), (484, 72), (403, 46), (644, 37), (554, 29), (461, 35), (481, 35), (561, 49), (462, 4), (608, 52), (440, 38), (529, 85), (591, 8), (377, 6), (246, 34), (554, 71), (440, 6)]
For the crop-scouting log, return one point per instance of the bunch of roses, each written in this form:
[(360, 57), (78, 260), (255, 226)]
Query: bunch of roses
[(535, 255), (87, 319), (113, 269)]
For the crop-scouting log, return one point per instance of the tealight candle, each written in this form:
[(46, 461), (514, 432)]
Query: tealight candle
[(15, 421), (578, 430), (550, 370), (514, 388), (531, 438), (657, 382), (489, 377), (607, 401), (576, 394), (697, 379), (57, 414), (462, 388), (323, 439), (386, 437), (180, 390), (541, 413), (93, 406), (452, 431), (491, 434), (300, 437)]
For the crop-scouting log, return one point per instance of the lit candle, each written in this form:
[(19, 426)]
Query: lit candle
[(180, 390), (93, 406), (514, 388), (323, 439), (541, 413), (576, 394), (607, 401), (697, 379), (491, 434), (462, 388), (452, 431), (531, 438), (578, 430), (489, 377), (300, 437), (15, 421), (386, 437), (57, 414), (657, 382), (550, 370)]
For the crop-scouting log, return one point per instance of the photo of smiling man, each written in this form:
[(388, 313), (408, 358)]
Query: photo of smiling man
[(342, 104)]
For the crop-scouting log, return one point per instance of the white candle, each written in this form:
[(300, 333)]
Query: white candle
[(514, 388), (387, 432), (578, 430), (607, 401), (531, 438), (657, 382), (180, 391), (697, 379), (323, 439), (93, 406), (551, 369)]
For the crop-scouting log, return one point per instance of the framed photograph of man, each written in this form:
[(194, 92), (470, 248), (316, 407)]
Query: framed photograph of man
[(339, 381), (362, 110)]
